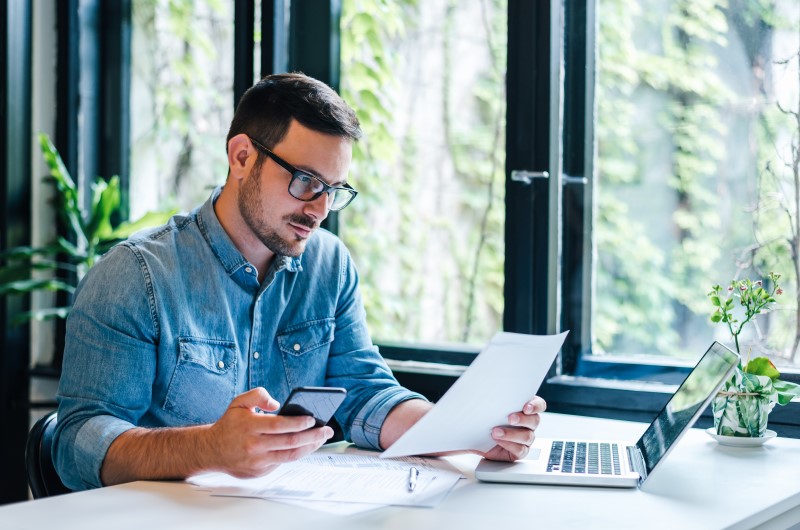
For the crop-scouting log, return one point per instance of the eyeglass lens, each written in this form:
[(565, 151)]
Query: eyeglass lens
[(307, 188)]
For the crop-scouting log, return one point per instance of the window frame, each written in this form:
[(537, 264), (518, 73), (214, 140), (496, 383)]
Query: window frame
[(15, 198)]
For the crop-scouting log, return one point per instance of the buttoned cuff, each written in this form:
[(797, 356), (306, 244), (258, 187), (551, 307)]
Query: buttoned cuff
[(92, 443), (366, 428)]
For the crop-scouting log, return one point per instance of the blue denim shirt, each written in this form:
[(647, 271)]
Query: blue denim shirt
[(168, 327)]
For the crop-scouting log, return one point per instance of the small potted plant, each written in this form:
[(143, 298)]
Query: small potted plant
[(743, 404)]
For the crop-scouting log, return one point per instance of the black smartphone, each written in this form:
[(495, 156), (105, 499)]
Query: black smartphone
[(319, 402)]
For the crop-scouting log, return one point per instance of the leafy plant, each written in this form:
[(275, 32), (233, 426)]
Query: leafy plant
[(742, 406), (88, 236), (753, 298)]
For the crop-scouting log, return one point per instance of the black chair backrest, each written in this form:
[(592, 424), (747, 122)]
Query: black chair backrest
[(42, 476)]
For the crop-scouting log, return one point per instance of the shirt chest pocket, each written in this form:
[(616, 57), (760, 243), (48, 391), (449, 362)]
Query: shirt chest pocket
[(304, 350), (204, 380)]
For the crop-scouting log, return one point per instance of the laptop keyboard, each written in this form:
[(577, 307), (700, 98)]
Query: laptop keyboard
[(591, 458)]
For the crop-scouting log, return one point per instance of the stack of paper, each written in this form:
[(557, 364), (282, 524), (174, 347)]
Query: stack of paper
[(342, 483)]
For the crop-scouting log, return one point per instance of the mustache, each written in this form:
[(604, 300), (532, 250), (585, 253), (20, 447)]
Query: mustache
[(302, 220)]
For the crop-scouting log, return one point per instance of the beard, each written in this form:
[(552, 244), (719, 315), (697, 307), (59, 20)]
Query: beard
[(252, 211)]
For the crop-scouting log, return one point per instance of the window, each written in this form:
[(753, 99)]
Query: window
[(453, 97), (427, 81), (692, 184), (679, 89)]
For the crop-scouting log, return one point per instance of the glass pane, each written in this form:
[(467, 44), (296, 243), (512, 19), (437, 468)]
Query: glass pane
[(181, 101), (696, 171), (426, 231)]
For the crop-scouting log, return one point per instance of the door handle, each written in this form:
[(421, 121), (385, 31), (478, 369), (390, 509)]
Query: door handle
[(526, 177)]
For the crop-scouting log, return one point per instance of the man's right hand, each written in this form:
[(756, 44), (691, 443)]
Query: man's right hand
[(250, 444), (244, 442)]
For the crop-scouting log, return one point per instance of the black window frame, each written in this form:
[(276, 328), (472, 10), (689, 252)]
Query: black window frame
[(15, 230)]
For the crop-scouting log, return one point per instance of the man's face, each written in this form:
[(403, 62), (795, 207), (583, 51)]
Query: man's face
[(281, 222)]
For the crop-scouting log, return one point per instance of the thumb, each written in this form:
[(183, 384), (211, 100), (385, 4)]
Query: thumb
[(256, 398)]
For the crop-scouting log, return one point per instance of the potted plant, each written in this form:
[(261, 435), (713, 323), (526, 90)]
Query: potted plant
[(88, 236), (742, 406)]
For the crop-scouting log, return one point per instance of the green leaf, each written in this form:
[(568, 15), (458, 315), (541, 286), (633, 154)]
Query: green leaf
[(149, 219), (68, 192), (762, 366), (16, 253), (716, 317), (42, 314), (786, 391), (729, 304), (105, 202), (35, 284), (715, 300)]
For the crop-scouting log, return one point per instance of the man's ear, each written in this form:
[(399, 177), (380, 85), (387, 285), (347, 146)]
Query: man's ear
[(241, 156)]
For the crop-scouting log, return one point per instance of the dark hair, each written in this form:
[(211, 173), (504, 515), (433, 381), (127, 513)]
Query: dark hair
[(267, 108)]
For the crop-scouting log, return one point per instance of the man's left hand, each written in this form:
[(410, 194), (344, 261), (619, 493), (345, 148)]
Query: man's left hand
[(514, 440)]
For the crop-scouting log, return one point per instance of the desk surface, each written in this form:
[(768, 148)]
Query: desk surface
[(701, 485)]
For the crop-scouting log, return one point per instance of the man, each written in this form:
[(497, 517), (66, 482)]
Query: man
[(182, 337)]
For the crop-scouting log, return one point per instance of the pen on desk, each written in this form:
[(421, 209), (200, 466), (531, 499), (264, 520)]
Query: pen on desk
[(413, 473)]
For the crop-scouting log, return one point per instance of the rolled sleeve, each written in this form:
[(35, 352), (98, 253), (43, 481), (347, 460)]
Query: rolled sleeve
[(91, 445), (366, 427)]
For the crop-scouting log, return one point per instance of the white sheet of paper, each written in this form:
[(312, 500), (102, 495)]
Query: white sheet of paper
[(501, 379), (330, 477)]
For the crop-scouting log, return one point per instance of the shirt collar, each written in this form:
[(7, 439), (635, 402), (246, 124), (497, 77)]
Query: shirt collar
[(222, 245)]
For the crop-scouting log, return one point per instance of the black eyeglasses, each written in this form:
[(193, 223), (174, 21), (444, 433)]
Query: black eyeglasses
[(305, 187)]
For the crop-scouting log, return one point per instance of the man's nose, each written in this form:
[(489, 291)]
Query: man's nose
[(319, 207)]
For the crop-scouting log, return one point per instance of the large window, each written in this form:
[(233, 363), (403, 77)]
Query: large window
[(662, 138), (427, 231), (696, 172)]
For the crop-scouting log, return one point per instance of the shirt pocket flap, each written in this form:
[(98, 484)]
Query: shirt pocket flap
[(216, 356), (302, 338)]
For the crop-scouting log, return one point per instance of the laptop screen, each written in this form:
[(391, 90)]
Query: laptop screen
[(686, 405)]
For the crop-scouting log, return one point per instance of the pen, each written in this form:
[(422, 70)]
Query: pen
[(413, 473)]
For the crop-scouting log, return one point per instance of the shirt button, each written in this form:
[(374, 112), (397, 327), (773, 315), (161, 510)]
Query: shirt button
[(255, 355), (248, 270), (296, 347), (221, 364)]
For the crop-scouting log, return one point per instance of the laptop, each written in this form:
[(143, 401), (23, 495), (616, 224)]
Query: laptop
[(616, 463)]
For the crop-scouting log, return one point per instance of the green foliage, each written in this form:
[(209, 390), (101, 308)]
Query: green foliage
[(678, 73), (369, 30), (633, 290), (182, 94), (753, 299), (392, 261), (88, 235)]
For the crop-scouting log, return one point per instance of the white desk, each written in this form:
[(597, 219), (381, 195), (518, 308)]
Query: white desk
[(728, 488)]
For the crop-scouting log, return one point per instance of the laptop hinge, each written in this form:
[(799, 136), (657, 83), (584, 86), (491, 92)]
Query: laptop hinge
[(636, 462)]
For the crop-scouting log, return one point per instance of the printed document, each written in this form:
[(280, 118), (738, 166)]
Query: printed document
[(360, 477), (502, 378)]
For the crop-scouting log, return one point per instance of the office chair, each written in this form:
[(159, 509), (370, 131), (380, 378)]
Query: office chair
[(42, 476)]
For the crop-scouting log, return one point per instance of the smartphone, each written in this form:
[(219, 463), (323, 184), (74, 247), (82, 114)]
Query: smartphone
[(319, 402)]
